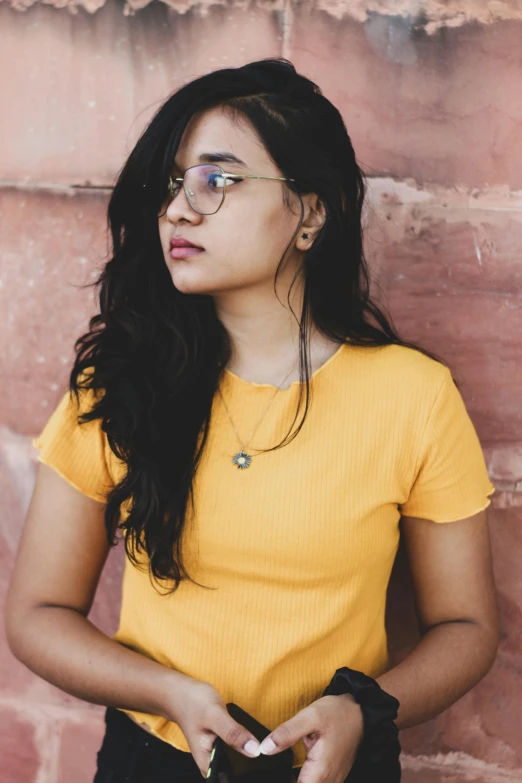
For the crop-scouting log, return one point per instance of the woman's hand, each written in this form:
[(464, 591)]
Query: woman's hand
[(331, 728), (202, 715)]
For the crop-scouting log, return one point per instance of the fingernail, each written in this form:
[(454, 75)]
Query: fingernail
[(268, 746), (252, 748)]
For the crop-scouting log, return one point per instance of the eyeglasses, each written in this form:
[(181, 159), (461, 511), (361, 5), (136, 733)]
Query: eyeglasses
[(205, 187)]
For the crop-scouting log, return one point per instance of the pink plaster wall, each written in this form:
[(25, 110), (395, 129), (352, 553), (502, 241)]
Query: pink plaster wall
[(430, 91)]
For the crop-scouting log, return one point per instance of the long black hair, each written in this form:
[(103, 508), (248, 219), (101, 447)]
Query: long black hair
[(157, 354)]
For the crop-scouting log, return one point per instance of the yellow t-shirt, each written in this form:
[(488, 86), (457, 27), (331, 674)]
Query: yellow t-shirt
[(300, 545)]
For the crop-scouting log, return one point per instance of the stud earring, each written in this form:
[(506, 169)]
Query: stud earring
[(305, 236)]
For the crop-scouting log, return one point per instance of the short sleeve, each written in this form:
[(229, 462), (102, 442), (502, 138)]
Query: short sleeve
[(452, 480), (78, 452)]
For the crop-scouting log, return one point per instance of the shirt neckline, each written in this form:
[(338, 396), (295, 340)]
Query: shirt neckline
[(254, 384)]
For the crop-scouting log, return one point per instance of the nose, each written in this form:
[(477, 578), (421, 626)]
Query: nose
[(180, 209)]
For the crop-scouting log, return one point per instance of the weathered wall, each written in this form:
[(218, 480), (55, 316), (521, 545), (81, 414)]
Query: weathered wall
[(430, 92)]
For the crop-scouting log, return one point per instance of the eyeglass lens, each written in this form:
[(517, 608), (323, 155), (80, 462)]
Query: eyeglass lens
[(204, 188)]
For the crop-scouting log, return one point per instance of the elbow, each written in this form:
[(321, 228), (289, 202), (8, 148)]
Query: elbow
[(490, 636), (478, 639), (14, 633), (17, 626), (491, 645), (486, 645)]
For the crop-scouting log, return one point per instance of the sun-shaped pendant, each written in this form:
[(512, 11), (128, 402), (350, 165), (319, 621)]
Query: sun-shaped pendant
[(242, 459)]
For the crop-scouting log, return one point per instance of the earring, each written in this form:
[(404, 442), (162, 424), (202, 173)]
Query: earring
[(305, 236)]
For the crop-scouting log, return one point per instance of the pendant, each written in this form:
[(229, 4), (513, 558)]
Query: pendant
[(242, 459)]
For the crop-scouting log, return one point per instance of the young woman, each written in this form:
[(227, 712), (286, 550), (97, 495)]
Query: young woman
[(254, 428)]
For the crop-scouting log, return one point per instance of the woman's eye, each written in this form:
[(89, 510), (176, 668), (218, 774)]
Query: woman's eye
[(219, 181)]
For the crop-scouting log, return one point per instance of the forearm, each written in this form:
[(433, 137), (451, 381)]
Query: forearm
[(448, 661), (66, 649)]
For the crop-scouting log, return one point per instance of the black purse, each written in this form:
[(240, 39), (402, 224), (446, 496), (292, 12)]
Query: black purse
[(227, 765), (377, 758)]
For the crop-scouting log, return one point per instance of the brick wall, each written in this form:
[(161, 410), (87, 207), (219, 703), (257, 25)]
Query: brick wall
[(431, 95)]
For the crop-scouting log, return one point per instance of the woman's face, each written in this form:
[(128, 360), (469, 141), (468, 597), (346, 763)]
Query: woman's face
[(243, 242)]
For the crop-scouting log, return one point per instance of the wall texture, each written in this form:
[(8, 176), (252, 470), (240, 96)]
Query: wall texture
[(430, 92)]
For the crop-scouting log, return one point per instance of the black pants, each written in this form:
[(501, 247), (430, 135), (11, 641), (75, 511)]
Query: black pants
[(129, 754)]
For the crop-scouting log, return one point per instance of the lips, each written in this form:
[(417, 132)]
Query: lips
[(180, 242), (182, 248)]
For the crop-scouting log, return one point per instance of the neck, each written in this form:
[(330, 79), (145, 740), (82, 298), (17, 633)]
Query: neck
[(265, 337)]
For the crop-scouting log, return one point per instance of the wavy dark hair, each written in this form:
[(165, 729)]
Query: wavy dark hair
[(157, 354)]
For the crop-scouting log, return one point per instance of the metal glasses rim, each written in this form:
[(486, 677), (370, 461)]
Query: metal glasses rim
[(225, 174)]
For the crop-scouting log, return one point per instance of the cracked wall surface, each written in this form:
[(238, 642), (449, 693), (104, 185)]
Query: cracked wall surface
[(429, 15), (430, 93)]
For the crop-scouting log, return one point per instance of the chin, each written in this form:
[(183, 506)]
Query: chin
[(188, 283)]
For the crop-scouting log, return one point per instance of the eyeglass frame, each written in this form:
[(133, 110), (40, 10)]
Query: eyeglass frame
[(226, 176)]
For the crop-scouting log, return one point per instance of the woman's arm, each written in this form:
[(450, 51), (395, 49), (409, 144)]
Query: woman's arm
[(456, 607), (61, 556)]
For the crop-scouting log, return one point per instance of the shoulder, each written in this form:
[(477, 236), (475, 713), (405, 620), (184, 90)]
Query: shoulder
[(79, 451), (399, 366)]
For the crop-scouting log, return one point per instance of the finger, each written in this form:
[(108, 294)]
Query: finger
[(315, 772), (235, 735), (232, 733), (203, 752), (315, 768), (290, 732)]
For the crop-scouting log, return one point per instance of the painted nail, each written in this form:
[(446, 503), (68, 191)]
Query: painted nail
[(268, 746), (252, 748)]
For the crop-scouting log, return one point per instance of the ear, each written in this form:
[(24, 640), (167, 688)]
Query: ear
[(313, 221)]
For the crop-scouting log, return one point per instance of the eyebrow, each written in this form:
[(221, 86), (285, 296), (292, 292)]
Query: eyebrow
[(218, 157), (221, 157)]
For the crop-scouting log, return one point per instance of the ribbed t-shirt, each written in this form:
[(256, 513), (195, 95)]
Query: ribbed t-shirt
[(299, 546)]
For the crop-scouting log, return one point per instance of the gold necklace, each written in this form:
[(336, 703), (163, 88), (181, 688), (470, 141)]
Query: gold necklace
[(242, 459)]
